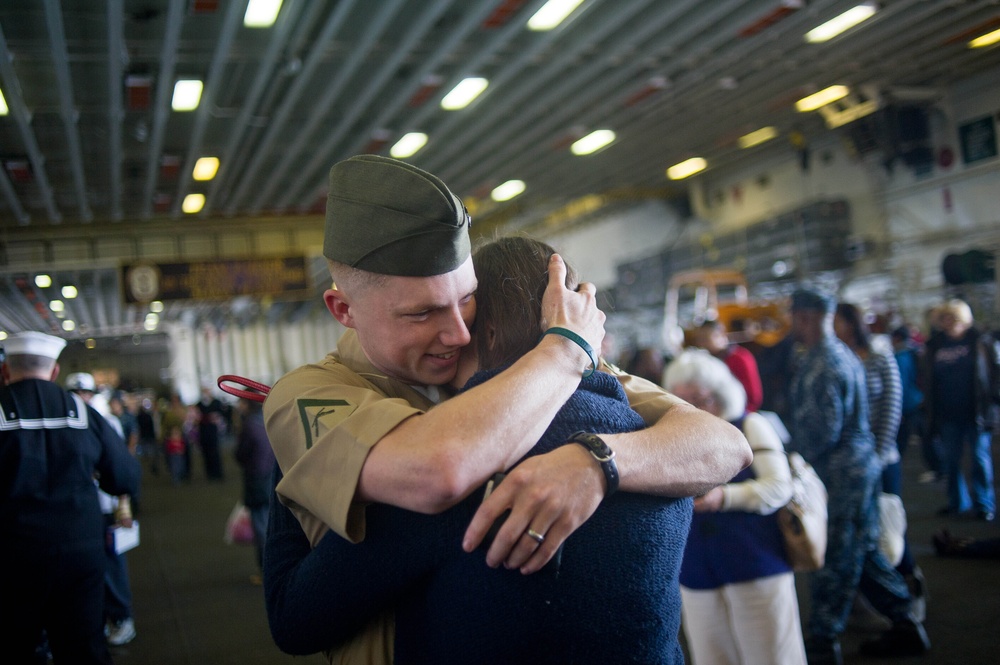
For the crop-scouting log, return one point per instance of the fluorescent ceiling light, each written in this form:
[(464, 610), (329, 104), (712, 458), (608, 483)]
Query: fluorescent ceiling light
[(69, 292), (187, 94), (261, 13), (206, 168), (193, 203), (69, 325), (551, 14), (821, 98), (156, 306), (507, 191), (3, 105), (409, 145), (43, 281), (592, 142), (686, 168), (3, 335), (842, 23), (463, 93), (979, 42), (762, 135), (57, 306)]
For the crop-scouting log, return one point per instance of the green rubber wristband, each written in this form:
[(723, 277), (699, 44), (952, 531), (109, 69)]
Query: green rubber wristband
[(581, 342)]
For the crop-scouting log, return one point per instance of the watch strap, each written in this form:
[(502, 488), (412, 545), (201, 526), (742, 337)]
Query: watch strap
[(601, 452)]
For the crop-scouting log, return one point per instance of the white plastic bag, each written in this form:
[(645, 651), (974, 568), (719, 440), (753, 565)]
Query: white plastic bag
[(892, 527), (239, 531)]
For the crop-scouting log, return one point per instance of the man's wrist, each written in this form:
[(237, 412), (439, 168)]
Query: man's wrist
[(579, 342)]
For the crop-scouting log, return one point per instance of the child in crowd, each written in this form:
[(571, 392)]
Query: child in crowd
[(174, 448)]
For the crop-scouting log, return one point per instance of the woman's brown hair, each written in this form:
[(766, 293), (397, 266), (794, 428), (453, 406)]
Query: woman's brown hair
[(512, 274)]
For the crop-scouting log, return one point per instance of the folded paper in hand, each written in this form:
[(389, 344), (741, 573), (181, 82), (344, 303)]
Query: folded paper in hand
[(125, 537)]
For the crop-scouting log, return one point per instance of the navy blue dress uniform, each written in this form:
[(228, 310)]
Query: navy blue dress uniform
[(52, 446)]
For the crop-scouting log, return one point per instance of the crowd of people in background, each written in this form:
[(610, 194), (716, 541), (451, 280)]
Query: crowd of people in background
[(934, 392), (881, 390)]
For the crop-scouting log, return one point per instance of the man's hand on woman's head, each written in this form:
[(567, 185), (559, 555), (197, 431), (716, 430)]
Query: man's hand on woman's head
[(574, 310)]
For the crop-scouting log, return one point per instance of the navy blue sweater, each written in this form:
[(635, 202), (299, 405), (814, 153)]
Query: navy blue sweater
[(614, 598)]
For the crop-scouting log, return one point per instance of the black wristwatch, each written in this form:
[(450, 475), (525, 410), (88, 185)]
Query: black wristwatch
[(602, 452)]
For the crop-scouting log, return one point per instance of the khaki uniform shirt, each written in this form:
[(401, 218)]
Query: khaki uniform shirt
[(323, 419)]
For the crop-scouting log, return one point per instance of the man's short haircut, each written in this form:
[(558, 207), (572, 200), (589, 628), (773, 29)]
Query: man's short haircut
[(814, 300), (27, 363), (353, 280)]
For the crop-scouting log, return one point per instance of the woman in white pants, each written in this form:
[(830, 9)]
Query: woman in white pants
[(737, 589)]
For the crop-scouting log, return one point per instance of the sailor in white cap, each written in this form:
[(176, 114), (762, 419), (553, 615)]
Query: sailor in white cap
[(51, 446), (34, 348)]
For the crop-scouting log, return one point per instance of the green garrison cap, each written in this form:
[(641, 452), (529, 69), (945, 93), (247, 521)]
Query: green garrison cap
[(388, 217)]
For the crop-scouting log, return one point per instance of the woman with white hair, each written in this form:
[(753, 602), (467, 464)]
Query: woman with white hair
[(737, 589), (962, 375)]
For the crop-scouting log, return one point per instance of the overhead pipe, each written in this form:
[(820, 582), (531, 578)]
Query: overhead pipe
[(759, 87), (17, 108), (161, 105), (299, 88), (264, 78), (479, 60), (506, 102), (116, 113), (444, 49), (17, 315), (609, 88), (638, 122), (230, 24), (374, 84), (12, 201), (67, 108), (499, 39), (535, 129), (358, 54)]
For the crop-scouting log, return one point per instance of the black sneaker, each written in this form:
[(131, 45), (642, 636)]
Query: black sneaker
[(823, 651), (905, 638)]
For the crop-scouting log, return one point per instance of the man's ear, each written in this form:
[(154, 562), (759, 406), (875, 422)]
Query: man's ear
[(339, 306), (55, 372)]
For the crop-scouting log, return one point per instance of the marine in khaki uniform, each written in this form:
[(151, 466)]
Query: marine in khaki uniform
[(372, 422)]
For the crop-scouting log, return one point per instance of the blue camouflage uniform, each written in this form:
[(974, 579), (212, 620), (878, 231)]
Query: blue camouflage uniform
[(829, 424)]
